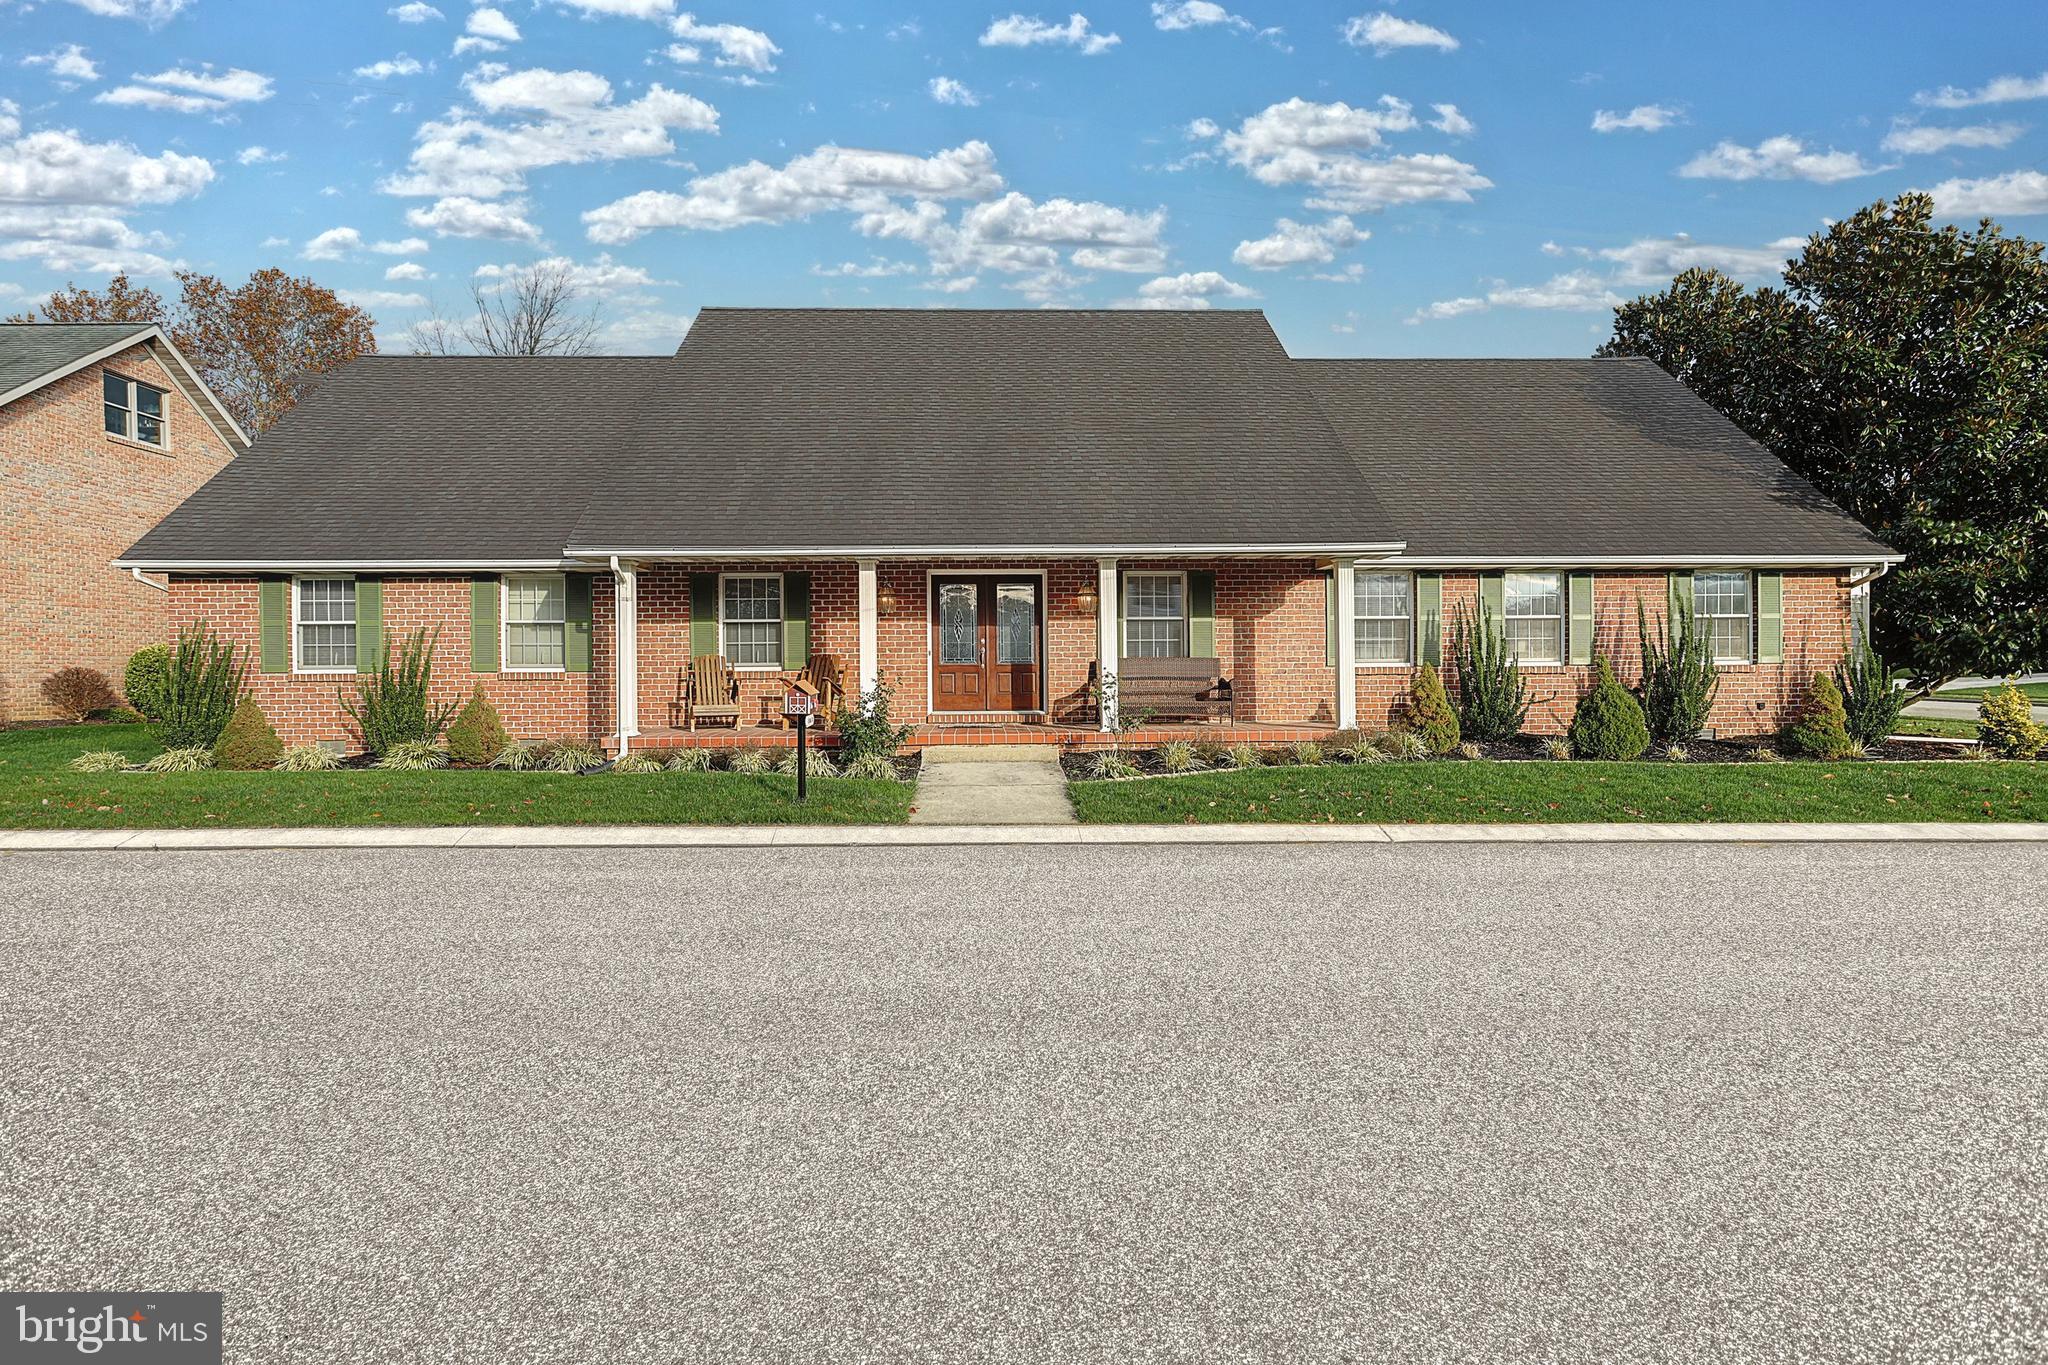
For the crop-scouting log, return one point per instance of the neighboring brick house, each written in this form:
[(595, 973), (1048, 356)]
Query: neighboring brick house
[(104, 429), (990, 509)]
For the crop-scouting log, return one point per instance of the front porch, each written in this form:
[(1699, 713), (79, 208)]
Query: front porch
[(1078, 738)]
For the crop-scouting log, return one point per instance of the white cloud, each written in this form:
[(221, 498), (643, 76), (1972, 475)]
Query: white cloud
[(492, 25), (576, 122), (1655, 260), (63, 199), (417, 12), (151, 12), (1776, 158), (1914, 140), (407, 270), (1292, 243), (184, 91), (946, 90), (67, 63), (462, 216), (1319, 146), (1186, 14), (335, 244), (1019, 31), (746, 48), (1644, 118), (1350, 274), (1449, 121), (829, 179), (602, 278), (1202, 128), (2012, 195), (401, 65), (380, 298), (466, 45), (1576, 292), (1195, 289), (1384, 33), (404, 246), (875, 269), (647, 333), (625, 9), (2003, 90), (259, 155)]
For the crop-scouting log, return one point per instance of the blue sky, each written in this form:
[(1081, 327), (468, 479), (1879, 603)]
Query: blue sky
[(1409, 178)]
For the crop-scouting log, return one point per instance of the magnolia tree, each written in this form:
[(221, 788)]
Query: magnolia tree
[(1903, 370)]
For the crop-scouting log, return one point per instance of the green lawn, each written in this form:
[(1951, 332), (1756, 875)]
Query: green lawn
[(37, 791), (1936, 727), (2038, 692), (1453, 792)]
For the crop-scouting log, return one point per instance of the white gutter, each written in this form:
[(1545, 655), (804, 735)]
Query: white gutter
[(1676, 561), (1876, 572), (364, 565), (1376, 550), (149, 582)]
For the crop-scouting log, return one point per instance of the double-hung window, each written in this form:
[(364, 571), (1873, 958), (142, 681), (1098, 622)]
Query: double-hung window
[(1384, 606), (325, 616), (750, 620), (1534, 606), (1721, 601), (1155, 616), (132, 409), (534, 611)]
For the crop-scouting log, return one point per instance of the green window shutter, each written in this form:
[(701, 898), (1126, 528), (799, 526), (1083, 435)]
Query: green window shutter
[(703, 614), (1582, 618), (273, 617), (1330, 617), (1493, 601), (369, 625), (1201, 613), (576, 624), (1770, 618), (1429, 616), (796, 620), (1681, 593), (483, 625)]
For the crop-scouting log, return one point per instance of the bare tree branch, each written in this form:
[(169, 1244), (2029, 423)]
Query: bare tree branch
[(530, 312)]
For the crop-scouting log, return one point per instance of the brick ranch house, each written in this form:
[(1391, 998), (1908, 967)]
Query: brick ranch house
[(104, 428), (987, 509)]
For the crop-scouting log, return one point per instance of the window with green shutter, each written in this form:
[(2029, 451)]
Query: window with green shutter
[(483, 625), (576, 624)]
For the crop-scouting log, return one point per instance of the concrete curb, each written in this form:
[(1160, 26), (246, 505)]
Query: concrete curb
[(902, 836)]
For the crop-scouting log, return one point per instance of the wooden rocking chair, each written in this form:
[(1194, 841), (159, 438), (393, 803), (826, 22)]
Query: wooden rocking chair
[(714, 691)]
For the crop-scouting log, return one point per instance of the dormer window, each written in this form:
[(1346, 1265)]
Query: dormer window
[(134, 410)]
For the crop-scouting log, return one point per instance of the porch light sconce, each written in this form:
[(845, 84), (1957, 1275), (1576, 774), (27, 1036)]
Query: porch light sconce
[(885, 601), (1086, 599)]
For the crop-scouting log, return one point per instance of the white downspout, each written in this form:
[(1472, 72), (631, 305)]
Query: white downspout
[(148, 582), (1865, 579), (625, 653)]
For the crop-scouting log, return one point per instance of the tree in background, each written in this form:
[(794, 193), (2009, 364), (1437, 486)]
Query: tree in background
[(535, 311), (259, 346), (1903, 370)]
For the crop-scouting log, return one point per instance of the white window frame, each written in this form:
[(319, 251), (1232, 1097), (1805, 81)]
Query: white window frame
[(505, 663), (297, 667), (1357, 619), (781, 607), (1562, 617), (131, 424), (1703, 622), (1187, 643)]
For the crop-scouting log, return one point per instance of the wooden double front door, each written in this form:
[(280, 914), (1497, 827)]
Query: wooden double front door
[(987, 643)]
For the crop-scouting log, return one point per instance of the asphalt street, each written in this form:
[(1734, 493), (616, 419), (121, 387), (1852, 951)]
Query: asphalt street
[(1342, 1103)]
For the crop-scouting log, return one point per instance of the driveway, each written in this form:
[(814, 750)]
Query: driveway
[(1933, 707), (1532, 1102)]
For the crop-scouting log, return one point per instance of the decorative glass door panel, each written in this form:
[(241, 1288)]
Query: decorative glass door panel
[(986, 644)]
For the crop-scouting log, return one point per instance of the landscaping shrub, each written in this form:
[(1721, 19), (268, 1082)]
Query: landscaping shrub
[(306, 758), (247, 742), (1493, 696), (1608, 723), (1679, 676), (476, 735), (696, 761), (1355, 745), (1558, 747), (204, 683), (1245, 756), (1213, 753), (1179, 756), (1764, 753), (749, 761), (872, 768), (632, 764), (1675, 753), (1430, 714), (191, 759), (1110, 765), (1822, 730), (99, 761), (1871, 702), (521, 756), (1404, 744), (2005, 724), (75, 693), (413, 756), (571, 755), (865, 730), (1469, 750), (147, 676), (391, 706), (1306, 752)]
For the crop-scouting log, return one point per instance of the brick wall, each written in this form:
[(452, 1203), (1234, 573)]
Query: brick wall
[(75, 498)]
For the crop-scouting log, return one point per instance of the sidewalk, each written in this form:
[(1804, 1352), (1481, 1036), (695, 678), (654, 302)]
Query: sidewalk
[(901, 836)]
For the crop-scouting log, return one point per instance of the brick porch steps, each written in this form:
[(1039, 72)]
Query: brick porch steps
[(1080, 738)]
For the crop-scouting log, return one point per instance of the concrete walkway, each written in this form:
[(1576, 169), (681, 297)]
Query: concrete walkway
[(991, 786)]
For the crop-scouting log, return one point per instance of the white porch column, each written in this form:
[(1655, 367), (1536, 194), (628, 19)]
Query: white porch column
[(1106, 663), (870, 651), (626, 647), (1346, 571)]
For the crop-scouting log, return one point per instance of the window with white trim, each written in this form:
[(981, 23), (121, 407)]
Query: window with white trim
[(134, 410), (750, 620), (1155, 616), (1721, 602), (1383, 605), (1534, 606), (535, 608), (324, 624)]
